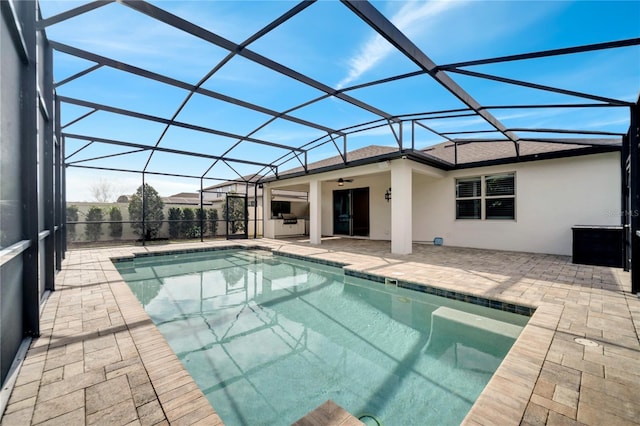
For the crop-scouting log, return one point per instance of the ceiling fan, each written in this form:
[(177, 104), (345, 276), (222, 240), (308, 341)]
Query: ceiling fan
[(342, 181)]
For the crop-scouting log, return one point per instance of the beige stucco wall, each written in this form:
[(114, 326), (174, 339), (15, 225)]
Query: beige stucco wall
[(551, 197), (127, 230)]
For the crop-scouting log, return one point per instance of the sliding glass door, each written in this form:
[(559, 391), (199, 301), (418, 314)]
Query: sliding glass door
[(351, 212)]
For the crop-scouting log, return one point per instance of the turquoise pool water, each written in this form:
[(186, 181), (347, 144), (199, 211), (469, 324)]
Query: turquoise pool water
[(269, 338)]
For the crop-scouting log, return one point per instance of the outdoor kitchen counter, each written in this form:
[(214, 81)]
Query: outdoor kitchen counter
[(282, 227)]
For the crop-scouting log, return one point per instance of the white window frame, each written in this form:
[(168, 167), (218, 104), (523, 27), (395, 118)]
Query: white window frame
[(484, 198), (474, 197)]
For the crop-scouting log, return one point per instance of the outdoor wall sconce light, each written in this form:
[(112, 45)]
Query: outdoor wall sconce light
[(387, 195)]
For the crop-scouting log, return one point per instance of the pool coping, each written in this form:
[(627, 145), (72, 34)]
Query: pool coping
[(161, 362), (505, 397)]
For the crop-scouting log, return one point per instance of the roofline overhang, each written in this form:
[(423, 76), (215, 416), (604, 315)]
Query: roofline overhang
[(428, 160), (407, 153), (542, 156)]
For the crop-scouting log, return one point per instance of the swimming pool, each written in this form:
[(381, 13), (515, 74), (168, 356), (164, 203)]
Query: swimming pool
[(269, 338)]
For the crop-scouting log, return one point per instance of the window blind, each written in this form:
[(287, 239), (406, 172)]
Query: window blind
[(497, 185), (466, 188)]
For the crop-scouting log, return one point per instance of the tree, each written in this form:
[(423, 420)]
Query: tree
[(72, 216), (93, 228), (235, 216), (175, 222), (115, 225), (153, 214), (212, 215), (122, 199), (102, 191)]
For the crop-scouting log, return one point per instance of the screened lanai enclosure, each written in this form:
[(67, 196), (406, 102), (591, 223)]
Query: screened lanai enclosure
[(197, 94)]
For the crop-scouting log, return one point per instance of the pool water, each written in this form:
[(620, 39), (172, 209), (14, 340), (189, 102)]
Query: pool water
[(269, 338)]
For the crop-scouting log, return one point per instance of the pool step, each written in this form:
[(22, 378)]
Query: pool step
[(489, 325), (488, 339)]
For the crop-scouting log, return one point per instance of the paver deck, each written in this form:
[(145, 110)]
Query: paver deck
[(100, 359)]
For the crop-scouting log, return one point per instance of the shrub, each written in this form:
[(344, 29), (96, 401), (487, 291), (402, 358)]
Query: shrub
[(189, 227), (201, 218), (72, 216), (93, 228), (175, 218), (212, 215), (115, 227)]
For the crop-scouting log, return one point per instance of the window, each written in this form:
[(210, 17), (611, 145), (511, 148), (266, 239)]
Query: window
[(468, 198), (500, 196), (496, 193)]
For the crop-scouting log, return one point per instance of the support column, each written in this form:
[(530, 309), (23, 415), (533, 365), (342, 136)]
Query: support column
[(315, 211), (26, 12), (60, 208), (401, 207), (63, 190), (48, 167), (268, 230)]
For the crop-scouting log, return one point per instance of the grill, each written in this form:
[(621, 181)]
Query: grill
[(289, 219)]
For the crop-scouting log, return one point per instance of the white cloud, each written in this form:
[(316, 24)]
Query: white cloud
[(412, 19), (612, 122), (80, 181)]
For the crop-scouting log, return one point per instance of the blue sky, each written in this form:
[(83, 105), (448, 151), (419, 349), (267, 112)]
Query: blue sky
[(331, 45)]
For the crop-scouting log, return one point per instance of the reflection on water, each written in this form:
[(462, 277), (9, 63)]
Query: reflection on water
[(269, 339)]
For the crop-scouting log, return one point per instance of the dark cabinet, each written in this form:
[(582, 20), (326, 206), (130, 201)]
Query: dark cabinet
[(598, 245)]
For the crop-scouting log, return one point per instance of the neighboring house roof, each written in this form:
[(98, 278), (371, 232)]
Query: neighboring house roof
[(185, 198), (185, 195), (467, 154)]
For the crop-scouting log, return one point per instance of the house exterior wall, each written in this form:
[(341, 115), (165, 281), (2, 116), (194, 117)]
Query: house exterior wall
[(219, 192), (551, 197)]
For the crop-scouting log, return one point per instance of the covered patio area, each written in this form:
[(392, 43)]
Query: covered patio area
[(100, 359)]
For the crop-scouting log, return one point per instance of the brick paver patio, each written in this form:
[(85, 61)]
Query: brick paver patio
[(100, 359)]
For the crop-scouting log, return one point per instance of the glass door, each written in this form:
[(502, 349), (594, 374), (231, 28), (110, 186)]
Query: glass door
[(342, 212), (360, 212), (351, 212), (236, 216)]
